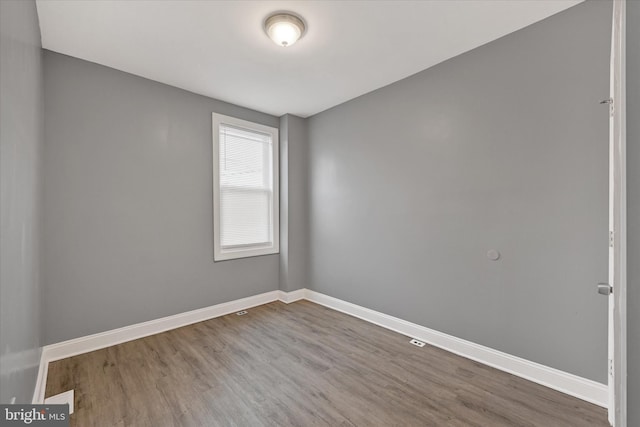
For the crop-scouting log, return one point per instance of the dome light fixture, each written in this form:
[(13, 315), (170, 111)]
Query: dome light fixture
[(284, 28)]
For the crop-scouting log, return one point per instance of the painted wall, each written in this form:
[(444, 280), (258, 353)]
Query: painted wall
[(128, 202), (633, 209), (21, 146), (503, 147), (294, 229)]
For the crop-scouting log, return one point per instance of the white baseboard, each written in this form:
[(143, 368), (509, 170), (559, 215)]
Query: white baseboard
[(293, 296), (67, 397), (41, 381), (573, 385), (93, 342), (582, 388), (64, 349)]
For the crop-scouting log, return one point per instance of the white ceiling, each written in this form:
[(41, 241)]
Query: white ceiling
[(218, 48)]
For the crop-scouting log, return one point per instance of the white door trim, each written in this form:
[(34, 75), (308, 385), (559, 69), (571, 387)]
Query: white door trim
[(618, 221)]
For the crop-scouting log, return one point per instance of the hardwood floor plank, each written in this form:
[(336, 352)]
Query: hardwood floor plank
[(300, 365)]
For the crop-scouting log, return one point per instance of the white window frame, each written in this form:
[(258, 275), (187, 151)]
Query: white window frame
[(220, 254)]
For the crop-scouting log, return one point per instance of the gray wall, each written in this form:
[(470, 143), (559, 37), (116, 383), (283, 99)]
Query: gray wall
[(128, 203), (502, 147), (294, 229), (633, 208), (21, 146)]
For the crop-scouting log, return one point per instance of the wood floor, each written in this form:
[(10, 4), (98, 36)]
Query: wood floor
[(300, 365)]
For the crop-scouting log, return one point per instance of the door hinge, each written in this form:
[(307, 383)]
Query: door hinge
[(610, 102), (610, 238), (610, 367)]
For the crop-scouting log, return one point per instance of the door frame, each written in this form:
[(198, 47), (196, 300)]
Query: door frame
[(617, 378)]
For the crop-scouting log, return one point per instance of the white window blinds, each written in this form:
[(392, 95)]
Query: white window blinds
[(246, 200), (246, 187)]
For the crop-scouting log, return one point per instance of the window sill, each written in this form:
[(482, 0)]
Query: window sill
[(244, 253)]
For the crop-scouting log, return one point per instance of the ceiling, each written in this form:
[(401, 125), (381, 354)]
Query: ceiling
[(219, 49)]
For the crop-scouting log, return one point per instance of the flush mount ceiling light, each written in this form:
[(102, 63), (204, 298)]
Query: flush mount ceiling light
[(284, 28)]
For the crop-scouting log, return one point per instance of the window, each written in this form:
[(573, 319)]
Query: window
[(245, 189)]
